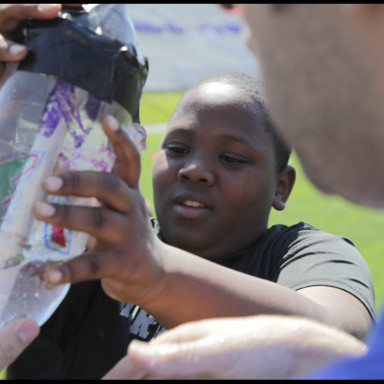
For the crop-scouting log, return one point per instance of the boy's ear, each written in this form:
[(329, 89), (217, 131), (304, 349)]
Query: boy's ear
[(285, 181)]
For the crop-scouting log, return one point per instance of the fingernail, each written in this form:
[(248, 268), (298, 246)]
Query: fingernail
[(28, 331), (47, 7), (45, 209), (53, 183), (112, 122), (15, 49), (54, 276)]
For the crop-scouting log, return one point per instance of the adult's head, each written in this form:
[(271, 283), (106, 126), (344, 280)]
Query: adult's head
[(221, 167), (323, 71)]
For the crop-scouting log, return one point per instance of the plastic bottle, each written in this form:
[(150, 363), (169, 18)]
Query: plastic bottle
[(81, 65)]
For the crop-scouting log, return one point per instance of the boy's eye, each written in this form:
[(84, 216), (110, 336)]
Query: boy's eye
[(176, 149), (232, 159)]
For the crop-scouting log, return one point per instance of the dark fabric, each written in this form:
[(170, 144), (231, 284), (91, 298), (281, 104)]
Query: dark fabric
[(301, 255), (92, 336), (297, 257), (40, 361)]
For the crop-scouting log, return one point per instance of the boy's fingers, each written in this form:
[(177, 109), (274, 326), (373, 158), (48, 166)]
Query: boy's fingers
[(91, 184), (127, 164), (10, 51), (11, 15), (89, 266), (104, 224)]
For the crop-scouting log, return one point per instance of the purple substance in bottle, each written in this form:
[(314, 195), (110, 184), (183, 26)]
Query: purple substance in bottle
[(92, 107), (61, 104)]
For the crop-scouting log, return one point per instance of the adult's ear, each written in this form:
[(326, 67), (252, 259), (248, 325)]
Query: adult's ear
[(285, 182)]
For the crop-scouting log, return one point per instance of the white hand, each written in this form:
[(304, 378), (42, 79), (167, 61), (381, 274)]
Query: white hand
[(14, 338), (258, 347)]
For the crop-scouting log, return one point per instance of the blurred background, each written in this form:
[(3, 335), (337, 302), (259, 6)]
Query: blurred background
[(185, 42)]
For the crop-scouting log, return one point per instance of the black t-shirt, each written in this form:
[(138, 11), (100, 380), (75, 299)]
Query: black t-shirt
[(301, 255), (91, 332), (297, 257)]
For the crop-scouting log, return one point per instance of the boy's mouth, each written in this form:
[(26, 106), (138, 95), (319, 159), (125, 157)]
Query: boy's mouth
[(190, 203), (191, 206)]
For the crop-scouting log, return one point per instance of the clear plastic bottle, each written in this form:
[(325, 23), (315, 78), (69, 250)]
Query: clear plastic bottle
[(81, 65)]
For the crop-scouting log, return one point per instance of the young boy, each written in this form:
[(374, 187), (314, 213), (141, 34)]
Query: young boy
[(221, 167)]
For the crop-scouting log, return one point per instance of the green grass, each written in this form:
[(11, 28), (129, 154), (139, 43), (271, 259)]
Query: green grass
[(156, 107)]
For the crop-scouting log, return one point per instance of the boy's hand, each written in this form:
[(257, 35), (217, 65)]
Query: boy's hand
[(11, 17), (122, 256)]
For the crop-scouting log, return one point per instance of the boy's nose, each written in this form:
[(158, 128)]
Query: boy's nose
[(196, 174)]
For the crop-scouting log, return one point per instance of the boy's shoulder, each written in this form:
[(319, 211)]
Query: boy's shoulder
[(281, 230), (305, 234), (301, 225), (302, 229)]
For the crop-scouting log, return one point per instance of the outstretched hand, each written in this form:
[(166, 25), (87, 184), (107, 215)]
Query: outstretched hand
[(242, 348), (123, 253)]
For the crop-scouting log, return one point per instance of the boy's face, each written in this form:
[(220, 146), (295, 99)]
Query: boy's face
[(214, 176)]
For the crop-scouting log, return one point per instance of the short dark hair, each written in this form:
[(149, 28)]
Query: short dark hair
[(254, 88)]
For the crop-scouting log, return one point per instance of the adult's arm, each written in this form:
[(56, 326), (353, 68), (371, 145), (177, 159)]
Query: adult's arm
[(256, 347)]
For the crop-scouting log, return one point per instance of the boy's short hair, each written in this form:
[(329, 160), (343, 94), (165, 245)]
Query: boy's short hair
[(253, 87)]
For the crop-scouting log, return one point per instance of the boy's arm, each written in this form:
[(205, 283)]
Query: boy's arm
[(201, 289), (171, 284)]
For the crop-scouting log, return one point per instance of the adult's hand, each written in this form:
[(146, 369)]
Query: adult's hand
[(256, 347), (14, 338)]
